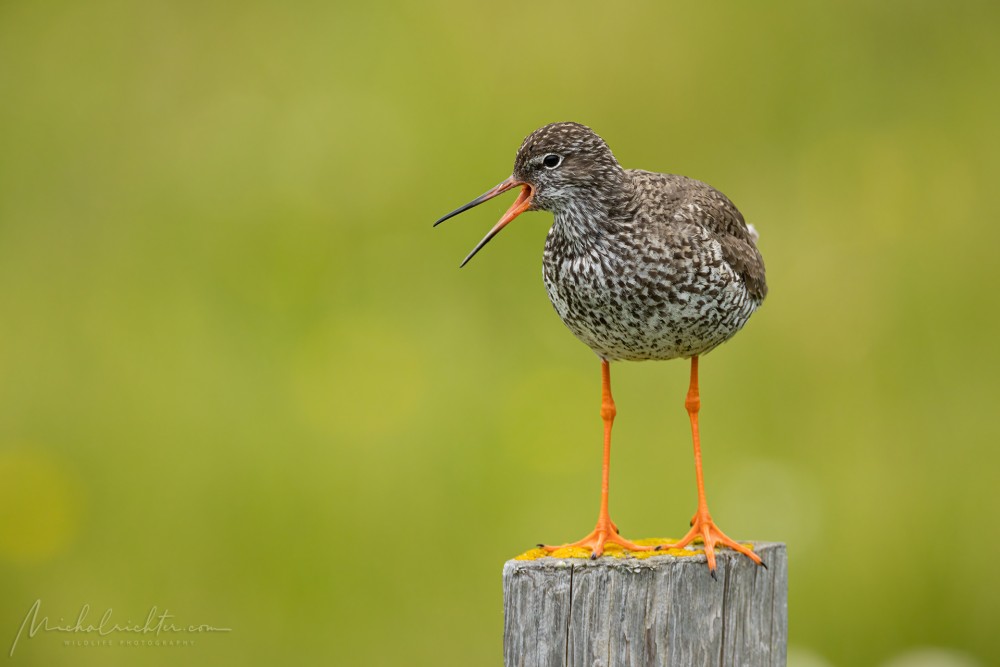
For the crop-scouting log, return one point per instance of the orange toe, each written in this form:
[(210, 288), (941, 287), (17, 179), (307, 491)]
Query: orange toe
[(703, 527), (605, 533)]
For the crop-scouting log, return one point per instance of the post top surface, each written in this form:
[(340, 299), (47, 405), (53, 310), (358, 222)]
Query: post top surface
[(627, 561)]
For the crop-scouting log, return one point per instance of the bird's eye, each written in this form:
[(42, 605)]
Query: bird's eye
[(551, 161)]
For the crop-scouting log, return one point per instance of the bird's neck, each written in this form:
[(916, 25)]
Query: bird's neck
[(594, 218)]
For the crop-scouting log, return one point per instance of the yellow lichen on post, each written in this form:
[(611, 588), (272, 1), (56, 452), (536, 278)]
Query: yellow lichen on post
[(616, 551)]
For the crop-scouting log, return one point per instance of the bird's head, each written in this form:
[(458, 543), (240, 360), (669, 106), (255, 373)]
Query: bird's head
[(562, 162), (556, 166)]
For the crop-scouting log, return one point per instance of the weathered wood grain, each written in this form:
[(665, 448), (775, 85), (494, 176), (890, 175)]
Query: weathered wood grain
[(657, 611)]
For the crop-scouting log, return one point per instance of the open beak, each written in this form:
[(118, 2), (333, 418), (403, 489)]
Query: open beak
[(519, 206)]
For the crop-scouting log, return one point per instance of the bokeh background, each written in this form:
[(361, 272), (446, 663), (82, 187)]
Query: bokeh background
[(243, 380)]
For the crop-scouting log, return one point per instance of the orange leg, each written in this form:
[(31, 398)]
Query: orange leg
[(702, 524), (605, 531)]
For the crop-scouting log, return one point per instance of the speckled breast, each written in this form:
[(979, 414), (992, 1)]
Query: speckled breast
[(639, 303)]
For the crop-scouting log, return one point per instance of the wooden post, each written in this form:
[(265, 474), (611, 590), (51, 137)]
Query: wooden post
[(662, 610)]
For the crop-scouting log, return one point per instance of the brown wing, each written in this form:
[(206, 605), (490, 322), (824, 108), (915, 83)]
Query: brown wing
[(679, 199)]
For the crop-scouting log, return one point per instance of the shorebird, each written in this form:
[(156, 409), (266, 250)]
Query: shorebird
[(639, 266)]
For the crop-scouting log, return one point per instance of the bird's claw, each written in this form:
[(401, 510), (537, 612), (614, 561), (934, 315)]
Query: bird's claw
[(605, 532), (703, 527)]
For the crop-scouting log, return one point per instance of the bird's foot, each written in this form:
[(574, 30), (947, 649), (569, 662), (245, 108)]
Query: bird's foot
[(703, 527), (606, 532)]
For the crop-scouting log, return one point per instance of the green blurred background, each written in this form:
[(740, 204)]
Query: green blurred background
[(243, 380)]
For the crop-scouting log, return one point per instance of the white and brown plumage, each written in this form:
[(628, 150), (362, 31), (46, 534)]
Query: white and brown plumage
[(639, 266)]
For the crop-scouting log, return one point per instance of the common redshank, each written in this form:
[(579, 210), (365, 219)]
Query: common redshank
[(640, 266)]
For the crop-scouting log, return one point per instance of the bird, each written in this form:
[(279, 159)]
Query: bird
[(640, 266)]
